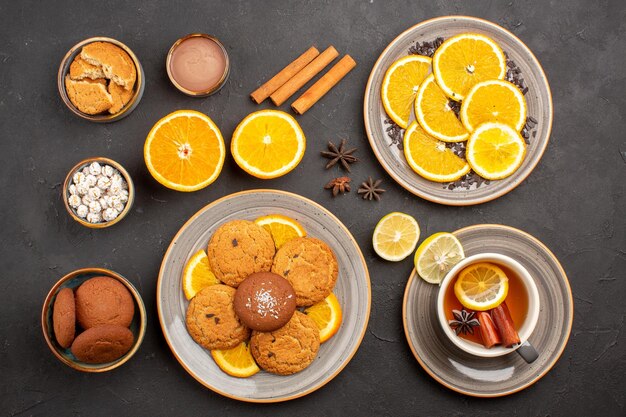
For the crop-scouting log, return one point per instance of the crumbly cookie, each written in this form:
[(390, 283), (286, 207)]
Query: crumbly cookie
[(80, 69), (89, 96), (64, 317), (114, 61), (211, 319), (240, 248), (103, 300), (289, 349), (120, 97), (310, 267), (102, 344)]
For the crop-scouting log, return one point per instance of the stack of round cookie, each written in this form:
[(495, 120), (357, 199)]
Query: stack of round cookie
[(261, 291)]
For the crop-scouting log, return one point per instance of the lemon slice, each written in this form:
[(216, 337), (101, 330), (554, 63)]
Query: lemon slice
[(282, 228), (430, 157), (465, 60), (268, 144), (396, 236), (494, 101), (400, 85), (481, 286), (237, 361), (327, 315), (185, 151), (437, 255), (434, 114), (197, 274), (495, 150)]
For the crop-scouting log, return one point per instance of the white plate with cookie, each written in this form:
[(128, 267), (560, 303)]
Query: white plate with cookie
[(352, 290)]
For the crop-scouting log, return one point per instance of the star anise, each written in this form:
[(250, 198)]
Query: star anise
[(338, 185), (340, 155), (464, 322), (370, 189)]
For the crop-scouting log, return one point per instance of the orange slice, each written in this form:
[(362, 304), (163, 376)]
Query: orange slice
[(434, 114), (197, 274), (430, 157), (481, 286), (185, 151), (400, 85), (268, 144), (282, 228), (495, 150), (237, 361), (327, 315), (465, 60), (494, 101)]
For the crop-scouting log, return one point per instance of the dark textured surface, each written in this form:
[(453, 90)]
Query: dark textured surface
[(574, 201)]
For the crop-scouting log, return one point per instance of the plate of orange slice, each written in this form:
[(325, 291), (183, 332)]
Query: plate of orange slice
[(342, 317), (458, 110)]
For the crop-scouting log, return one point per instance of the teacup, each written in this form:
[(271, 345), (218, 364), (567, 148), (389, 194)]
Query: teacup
[(524, 329)]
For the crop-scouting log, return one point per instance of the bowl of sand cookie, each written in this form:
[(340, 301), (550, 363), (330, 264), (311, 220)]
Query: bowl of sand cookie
[(101, 80)]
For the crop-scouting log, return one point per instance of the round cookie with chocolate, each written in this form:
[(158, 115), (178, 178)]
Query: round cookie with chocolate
[(289, 349), (310, 267), (265, 301), (212, 321), (239, 248), (64, 317), (102, 344), (103, 300)]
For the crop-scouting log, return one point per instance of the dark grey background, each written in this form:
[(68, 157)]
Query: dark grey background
[(574, 201)]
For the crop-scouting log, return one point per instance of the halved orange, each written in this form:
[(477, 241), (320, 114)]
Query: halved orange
[(268, 144), (465, 60), (430, 157), (400, 85), (327, 315), (237, 361), (185, 151), (197, 274), (495, 150), (282, 228), (494, 101), (434, 114)]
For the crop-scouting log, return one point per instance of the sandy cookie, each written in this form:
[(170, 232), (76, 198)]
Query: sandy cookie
[(80, 69), (240, 248), (88, 96), (310, 267), (103, 300), (114, 61), (102, 343), (64, 317), (289, 349), (265, 301), (211, 319), (120, 97)]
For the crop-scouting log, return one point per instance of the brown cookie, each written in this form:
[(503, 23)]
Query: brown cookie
[(265, 301), (240, 248), (88, 96), (80, 69), (103, 300), (120, 97), (310, 267), (64, 317), (211, 319), (116, 64), (289, 349), (102, 344)]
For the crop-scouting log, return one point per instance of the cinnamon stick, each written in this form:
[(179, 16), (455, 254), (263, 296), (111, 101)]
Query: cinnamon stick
[(284, 75), (323, 85), (304, 76), (504, 323), (488, 331)]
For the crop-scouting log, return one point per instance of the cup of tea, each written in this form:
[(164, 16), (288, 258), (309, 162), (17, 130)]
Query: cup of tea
[(493, 331)]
